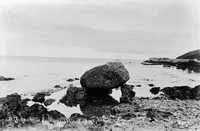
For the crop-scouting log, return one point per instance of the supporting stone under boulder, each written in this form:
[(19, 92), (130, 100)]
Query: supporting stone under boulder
[(127, 93)]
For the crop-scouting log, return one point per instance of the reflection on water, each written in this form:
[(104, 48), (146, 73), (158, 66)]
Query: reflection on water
[(98, 105)]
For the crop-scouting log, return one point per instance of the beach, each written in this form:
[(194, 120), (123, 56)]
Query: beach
[(39, 74)]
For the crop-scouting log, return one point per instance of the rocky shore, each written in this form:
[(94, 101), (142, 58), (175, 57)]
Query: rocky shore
[(172, 108), (153, 114)]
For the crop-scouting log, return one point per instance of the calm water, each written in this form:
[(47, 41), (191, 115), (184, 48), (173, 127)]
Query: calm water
[(33, 74)]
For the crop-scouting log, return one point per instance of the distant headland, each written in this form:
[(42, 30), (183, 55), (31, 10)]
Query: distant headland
[(189, 61)]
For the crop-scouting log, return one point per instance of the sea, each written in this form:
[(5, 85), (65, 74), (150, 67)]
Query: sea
[(34, 74)]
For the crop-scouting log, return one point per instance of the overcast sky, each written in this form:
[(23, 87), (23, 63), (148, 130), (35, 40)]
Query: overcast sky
[(135, 29)]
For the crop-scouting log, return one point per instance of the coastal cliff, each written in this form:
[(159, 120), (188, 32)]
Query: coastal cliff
[(190, 55)]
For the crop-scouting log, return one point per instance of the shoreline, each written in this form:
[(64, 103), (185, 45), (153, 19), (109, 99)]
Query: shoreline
[(134, 116)]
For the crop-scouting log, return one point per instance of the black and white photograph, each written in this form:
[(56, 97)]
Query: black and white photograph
[(100, 65)]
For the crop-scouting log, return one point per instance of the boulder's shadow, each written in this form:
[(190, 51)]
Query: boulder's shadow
[(98, 105)]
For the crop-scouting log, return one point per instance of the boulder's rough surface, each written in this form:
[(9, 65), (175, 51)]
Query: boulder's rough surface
[(39, 97), (127, 93), (74, 96), (105, 77)]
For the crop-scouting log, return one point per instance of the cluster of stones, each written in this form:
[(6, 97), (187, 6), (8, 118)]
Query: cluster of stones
[(14, 112)]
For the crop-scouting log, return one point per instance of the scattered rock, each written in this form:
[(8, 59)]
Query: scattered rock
[(2, 78), (196, 91), (49, 102), (35, 111), (14, 112), (11, 105), (26, 99), (155, 114), (56, 115), (128, 115), (179, 92), (105, 77), (127, 93), (124, 108), (58, 86), (39, 97), (48, 92), (155, 90), (74, 96), (70, 80), (151, 85), (77, 116), (138, 85), (77, 79)]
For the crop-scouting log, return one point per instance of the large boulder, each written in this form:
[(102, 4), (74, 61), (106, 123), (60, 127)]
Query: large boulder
[(105, 77)]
